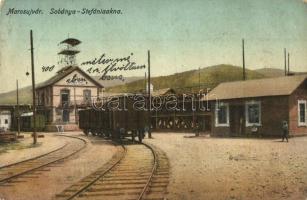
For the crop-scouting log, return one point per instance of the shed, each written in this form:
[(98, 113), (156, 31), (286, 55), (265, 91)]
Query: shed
[(258, 107)]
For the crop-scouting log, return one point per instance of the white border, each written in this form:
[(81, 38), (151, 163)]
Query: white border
[(227, 115), (298, 113)]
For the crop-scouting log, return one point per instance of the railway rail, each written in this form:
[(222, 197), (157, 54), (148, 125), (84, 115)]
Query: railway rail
[(9, 173), (135, 172)]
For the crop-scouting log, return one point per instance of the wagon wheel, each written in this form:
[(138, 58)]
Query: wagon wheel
[(140, 136), (85, 132)]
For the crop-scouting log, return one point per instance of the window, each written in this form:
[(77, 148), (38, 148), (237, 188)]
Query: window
[(65, 97), (222, 114), (87, 95), (6, 121), (253, 113), (302, 113), (42, 99)]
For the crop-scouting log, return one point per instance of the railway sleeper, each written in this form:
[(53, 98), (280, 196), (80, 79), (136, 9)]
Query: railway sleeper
[(126, 178), (128, 175), (122, 193), (112, 182), (112, 188)]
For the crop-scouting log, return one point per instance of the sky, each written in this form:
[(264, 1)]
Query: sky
[(180, 34)]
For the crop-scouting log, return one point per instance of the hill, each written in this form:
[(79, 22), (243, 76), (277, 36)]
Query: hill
[(25, 96), (111, 83), (188, 81), (274, 72), (271, 72)]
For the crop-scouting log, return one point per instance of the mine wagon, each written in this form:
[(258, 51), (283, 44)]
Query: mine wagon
[(117, 118)]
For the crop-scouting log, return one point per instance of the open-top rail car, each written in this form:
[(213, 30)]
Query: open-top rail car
[(116, 118)]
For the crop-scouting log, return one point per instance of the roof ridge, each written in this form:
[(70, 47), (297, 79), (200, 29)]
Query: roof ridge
[(58, 76)]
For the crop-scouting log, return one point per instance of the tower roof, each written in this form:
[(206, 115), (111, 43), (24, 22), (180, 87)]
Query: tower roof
[(69, 52), (71, 41)]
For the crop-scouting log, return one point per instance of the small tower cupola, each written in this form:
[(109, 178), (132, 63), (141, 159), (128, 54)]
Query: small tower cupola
[(67, 54)]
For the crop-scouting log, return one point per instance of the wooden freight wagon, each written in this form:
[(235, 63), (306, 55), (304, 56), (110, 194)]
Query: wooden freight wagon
[(119, 121)]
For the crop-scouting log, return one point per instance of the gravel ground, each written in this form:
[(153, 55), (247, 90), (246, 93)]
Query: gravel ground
[(61, 175), (241, 169), (24, 149)]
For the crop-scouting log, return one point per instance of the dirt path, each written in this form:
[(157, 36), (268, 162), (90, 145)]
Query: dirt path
[(245, 169)]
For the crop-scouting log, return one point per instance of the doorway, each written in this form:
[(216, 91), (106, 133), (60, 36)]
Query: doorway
[(65, 105), (237, 120)]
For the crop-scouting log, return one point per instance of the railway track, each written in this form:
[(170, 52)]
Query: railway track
[(135, 172), (9, 173)]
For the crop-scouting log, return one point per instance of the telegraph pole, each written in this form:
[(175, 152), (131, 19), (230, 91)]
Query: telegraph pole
[(149, 98), (18, 114), (33, 90), (243, 56), (288, 63), (285, 55), (145, 79), (199, 79)]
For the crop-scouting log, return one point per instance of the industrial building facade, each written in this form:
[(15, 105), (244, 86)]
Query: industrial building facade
[(60, 97)]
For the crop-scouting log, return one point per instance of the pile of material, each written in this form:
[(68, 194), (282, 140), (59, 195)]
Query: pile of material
[(7, 136)]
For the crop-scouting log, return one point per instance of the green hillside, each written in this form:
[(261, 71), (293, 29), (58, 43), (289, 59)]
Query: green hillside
[(25, 96), (182, 82), (188, 81)]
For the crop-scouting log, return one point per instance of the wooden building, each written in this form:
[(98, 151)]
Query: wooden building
[(9, 116), (60, 97), (258, 107), (179, 112), (5, 119)]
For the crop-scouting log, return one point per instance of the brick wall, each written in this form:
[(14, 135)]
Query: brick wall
[(274, 110), (298, 94)]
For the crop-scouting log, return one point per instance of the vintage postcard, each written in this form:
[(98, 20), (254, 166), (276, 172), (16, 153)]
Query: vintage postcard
[(153, 100)]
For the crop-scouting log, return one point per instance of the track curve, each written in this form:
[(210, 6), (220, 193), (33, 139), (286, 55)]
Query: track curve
[(10, 172), (132, 173)]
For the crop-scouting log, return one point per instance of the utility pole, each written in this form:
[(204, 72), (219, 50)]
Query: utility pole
[(145, 79), (243, 56), (285, 55), (149, 98), (198, 79), (75, 102), (288, 63), (33, 90), (18, 114)]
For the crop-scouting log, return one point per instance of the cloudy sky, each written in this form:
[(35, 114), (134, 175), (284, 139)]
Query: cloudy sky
[(181, 34)]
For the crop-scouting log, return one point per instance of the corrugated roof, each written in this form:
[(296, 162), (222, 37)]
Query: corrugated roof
[(256, 88), (62, 73)]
